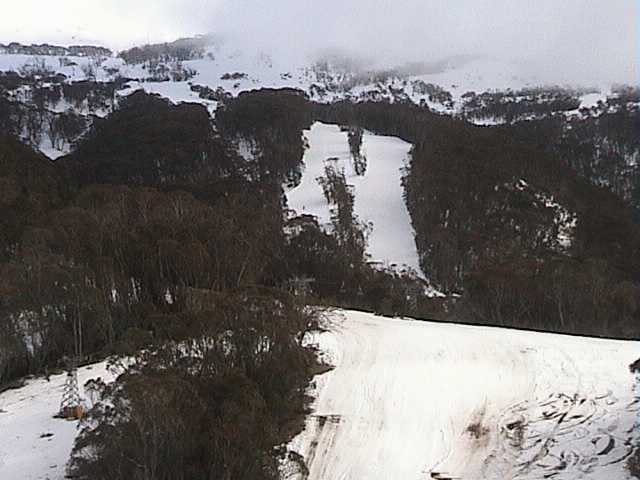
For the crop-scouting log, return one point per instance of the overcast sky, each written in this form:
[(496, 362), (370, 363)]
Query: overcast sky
[(575, 38)]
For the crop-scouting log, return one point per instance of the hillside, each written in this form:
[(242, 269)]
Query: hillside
[(199, 207), (417, 400)]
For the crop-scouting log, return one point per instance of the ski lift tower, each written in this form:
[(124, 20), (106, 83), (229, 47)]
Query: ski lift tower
[(71, 404)]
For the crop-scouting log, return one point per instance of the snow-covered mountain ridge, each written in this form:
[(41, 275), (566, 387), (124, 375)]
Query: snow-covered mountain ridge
[(205, 70)]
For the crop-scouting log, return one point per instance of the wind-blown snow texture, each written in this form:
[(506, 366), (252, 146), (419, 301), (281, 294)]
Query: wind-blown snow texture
[(378, 193), (414, 400)]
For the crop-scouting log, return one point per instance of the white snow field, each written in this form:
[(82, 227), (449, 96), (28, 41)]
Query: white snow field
[(33, 444), (418, 400), (378, 193)]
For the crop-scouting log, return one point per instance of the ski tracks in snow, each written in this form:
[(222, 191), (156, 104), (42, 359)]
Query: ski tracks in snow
[(418, 400)]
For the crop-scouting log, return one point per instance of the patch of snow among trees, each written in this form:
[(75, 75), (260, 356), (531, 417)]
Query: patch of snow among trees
[(565, 220), (378, 193), (33, 444)]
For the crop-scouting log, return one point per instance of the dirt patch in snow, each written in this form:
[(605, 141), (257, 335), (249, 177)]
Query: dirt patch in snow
[(477, 429)]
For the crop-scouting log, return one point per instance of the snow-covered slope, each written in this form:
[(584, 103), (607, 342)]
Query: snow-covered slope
[(416, 400), (378, 193), (33, 444)]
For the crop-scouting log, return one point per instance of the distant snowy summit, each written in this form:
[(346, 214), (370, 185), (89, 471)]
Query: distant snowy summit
[(326, 76)]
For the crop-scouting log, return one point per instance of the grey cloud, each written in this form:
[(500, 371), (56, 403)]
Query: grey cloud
[(582, 41)]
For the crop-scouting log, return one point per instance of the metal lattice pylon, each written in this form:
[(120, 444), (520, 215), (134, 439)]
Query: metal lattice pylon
[(71, 400), (71, 404)]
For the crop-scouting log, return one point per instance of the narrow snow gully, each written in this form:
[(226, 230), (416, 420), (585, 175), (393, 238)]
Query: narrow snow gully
[(418, 400), (378, 193)]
